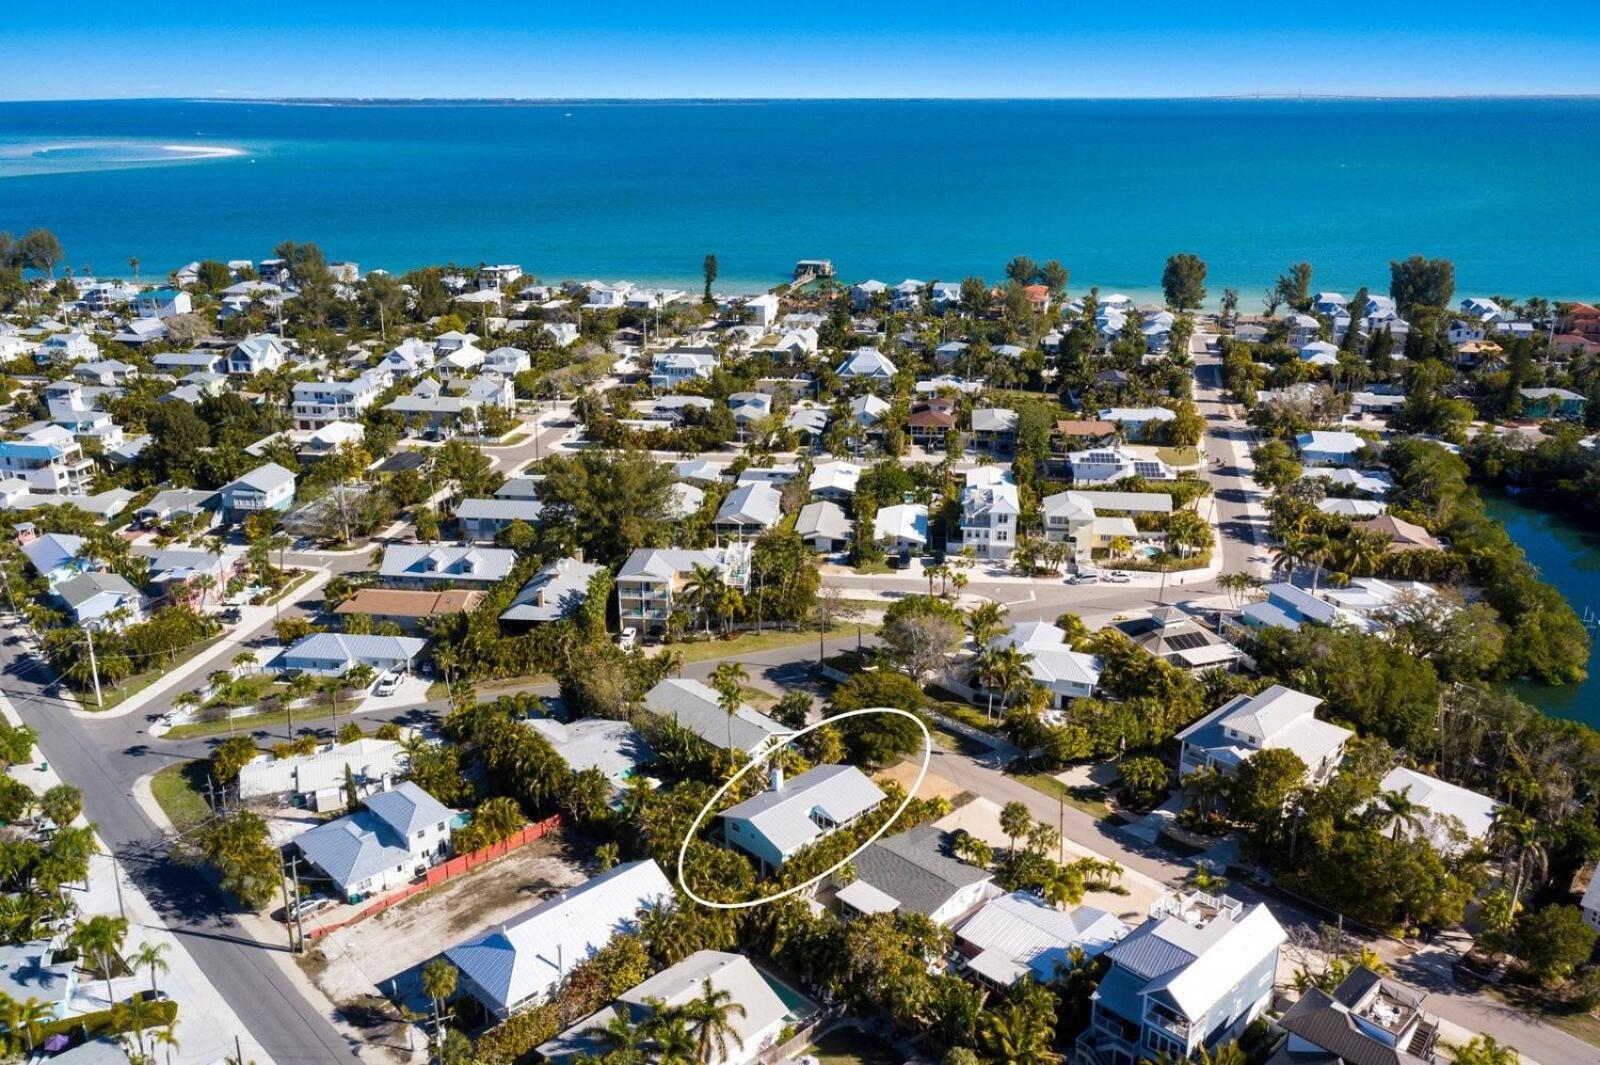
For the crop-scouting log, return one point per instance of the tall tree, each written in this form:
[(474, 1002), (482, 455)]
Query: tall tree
[(1421, 282), (1294, 287), (1184, 281), (709, 269)]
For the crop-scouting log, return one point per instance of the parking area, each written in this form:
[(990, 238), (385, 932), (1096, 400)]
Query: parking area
[(384, 954), (412, 689)]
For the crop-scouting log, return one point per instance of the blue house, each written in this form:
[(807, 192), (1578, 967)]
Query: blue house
[(267, 487), (1552, 403), (1195, 974)]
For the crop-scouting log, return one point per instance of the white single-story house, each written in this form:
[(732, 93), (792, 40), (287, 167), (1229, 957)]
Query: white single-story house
[(333, 654)]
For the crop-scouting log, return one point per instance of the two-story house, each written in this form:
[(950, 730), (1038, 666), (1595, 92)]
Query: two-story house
[(1367, 1018), (317, 403), (790, 815), (651, 581), (267, 487), (50, 459), (400, 834), (260, 353), (990, 511), (1195, 974), (672, 368), (1279, 718)]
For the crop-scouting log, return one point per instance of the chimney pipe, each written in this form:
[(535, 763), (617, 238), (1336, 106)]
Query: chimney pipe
[(775, 776)]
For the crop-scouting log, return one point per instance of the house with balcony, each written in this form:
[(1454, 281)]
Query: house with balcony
[(1279, 718), (990, 511), (994, 429), (50, 459), (65, 348), (1194, 975), (72, 407), (261, 353), (791, 815), (651, 581), (444, 565), (267, 487), (400, 834), (749, 510), (930, 421), (319, 403), (162, 303), (672, 368), (1368, 1018)]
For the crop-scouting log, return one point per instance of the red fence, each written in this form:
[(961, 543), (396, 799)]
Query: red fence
[(460, 865)]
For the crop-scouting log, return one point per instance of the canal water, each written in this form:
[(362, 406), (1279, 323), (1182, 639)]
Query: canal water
[(1567, 556)]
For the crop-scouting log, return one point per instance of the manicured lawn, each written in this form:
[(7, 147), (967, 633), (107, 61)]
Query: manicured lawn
[(872, 568), (248, 723), (752, 642), (849, 1046), (1075, 797), (178, 789), (1178, 456), (301, 577)]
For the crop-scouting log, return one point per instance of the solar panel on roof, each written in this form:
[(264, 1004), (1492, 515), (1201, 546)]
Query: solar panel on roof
[(1187, 641)]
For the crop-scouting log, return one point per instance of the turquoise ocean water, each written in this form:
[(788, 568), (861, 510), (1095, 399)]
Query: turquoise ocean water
[(929, 189)]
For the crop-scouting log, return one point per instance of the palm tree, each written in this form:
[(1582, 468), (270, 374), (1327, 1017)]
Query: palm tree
[(619, 1039), (137, 1014), (984, 622), (300, 686), (100, 937), (150, 956), (204, 583), (438, 983), (700, 589), (710, 1023), (727, 679), (1359, 553), (1396, 810), (1015, 820), (1517, 834), (669, 1029)]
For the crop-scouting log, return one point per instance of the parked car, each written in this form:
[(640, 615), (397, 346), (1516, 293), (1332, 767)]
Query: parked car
[(901, 560), (1085, 575), (387, 684), (1117, 576), (310, 904), (627, 638)]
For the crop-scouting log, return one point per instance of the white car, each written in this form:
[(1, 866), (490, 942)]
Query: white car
[(309, 905), (387, 684), (627, 638), (1084, 576)]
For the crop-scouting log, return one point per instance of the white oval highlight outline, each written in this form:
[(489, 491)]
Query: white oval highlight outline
[(911, 793)]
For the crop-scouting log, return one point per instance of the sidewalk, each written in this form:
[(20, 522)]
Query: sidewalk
[(270, 934), (252, 620), (206, 1025)]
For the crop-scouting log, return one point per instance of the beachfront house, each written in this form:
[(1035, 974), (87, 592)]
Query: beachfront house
[(522, 961), (790, 815), (1278, 718), (756, 1020), (1195, 974), (1020, 935), (399, 835), (267, 487), (444, 565)]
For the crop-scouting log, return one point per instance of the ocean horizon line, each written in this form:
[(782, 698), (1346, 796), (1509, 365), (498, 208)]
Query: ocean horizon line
[(1275, 96)]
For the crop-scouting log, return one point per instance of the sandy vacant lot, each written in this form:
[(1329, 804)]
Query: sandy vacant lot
[(386, 951), (934, 786), (981, 818)]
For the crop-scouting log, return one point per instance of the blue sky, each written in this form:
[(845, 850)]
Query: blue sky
[(664, 49)]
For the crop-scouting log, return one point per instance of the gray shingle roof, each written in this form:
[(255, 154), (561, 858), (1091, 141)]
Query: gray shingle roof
[(913, 868), (695, 706)]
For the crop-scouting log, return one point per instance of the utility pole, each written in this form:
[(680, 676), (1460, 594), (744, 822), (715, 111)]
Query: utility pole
[(299, 918), (288, 907), (94, 668), (116, 878)]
